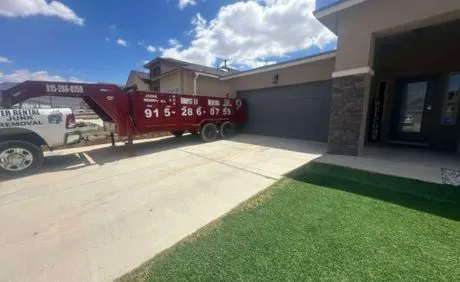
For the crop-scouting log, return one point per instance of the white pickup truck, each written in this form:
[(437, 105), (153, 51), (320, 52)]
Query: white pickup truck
[(23, 132)]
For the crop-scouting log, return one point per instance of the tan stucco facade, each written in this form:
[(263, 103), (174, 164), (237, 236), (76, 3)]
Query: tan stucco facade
[(189, 76), (183, 81), (166, 67), (133, 79), (359, 25), (208, 86), (171, 83), (315, 71)]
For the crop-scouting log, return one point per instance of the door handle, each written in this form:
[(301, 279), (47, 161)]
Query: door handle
[(429, 107)]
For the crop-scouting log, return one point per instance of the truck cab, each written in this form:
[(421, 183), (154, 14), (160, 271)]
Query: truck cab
[(24, 133)]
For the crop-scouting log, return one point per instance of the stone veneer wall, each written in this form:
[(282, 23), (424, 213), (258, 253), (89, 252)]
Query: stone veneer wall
[(350, 95)]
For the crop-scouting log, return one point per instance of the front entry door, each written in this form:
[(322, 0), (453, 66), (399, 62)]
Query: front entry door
[(413, 105)]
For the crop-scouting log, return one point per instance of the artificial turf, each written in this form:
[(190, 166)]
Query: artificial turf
[(324, 222)]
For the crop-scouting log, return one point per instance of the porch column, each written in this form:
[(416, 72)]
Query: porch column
[(350, 97)]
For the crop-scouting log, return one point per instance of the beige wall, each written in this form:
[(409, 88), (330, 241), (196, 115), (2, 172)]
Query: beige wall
[(358, 25), (134, 79), (188, 82), (316, 71), (184, 80), (171, 81), (208, 86), (165, 67)]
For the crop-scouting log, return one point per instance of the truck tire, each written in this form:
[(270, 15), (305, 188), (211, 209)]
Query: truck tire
[(177, 133), (19, 157), (209, 132), (227, 130)]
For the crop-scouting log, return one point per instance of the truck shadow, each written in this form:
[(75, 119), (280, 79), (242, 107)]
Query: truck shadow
[(81, 157), (86, 156), (112, 154)]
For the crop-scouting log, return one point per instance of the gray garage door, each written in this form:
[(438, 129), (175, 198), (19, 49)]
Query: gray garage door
[(298, 111)]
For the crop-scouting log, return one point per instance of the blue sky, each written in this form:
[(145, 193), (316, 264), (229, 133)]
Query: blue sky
[(90, 40)]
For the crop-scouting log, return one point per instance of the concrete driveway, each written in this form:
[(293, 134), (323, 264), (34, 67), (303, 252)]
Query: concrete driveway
[(94, 213)]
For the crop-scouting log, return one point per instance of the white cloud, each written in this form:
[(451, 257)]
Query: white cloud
[(22, 75), (107, 39), (122, 42), (184, 3), (76, 80), (151, 48), (248, 32), (113, 27), (24, 8), (5, 60), (174, 43), (148, 47)]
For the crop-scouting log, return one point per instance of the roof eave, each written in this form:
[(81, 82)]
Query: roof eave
[(306, 60), (329, 15), (152, 62), (336, 7)]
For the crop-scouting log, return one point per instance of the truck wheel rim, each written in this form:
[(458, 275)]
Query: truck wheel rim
[(209, 133), (16, 159), (227, 130)]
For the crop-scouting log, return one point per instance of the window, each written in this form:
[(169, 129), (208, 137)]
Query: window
[(154, 72), (451, 100)]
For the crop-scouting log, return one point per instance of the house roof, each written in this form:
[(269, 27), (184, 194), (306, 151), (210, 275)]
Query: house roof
[(225, 75), (142, 75), (193, 67), (295, 62), (209, 70), (7, 85)]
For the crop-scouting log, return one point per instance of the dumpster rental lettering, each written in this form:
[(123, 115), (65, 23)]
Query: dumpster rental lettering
[(186, 112), (150, 98), (18, 118)]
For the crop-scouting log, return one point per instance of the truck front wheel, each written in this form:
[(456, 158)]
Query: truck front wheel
[(209, 132), (19, 157)]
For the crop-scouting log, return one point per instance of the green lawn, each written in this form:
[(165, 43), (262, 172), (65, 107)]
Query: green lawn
[(325, 223)]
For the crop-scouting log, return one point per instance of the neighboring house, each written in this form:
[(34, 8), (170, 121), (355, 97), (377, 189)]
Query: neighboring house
[(6, 85), (174, 76), (141, 79)]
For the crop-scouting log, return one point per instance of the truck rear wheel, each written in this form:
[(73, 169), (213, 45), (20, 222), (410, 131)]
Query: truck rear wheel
[(177, 133), (209, 132), (227, 130), (19, 157)]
